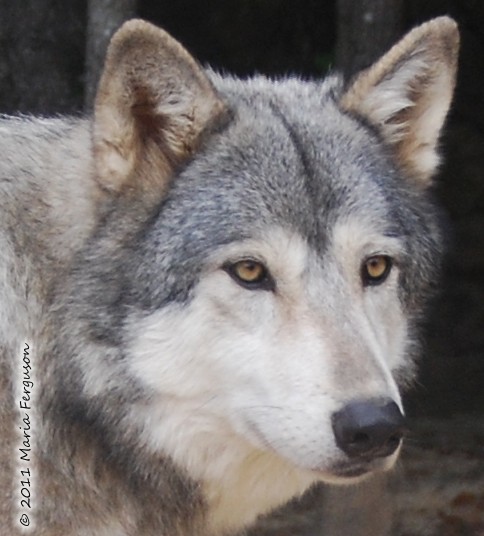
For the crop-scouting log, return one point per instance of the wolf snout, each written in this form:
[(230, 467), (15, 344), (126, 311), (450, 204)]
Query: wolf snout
[(369, 429)]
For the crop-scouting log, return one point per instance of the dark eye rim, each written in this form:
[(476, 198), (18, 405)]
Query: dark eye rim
[(265, 282), (370, 281)]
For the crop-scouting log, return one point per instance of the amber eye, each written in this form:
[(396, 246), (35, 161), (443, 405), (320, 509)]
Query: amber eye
[(376, 269), (249, 271), (250, 274)]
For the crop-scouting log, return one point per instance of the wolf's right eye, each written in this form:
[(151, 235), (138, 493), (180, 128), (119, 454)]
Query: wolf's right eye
[(250, 274)]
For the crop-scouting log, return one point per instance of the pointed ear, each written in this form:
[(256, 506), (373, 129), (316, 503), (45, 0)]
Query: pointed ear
[(153, 105), (407, 93)]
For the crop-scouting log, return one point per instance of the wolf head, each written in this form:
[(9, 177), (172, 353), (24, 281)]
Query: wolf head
[(265, 253)]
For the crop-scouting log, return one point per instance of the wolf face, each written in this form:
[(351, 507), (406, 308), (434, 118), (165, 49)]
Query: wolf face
[(313, 331), (266, 248)]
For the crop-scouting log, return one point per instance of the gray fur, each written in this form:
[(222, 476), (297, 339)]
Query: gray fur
[(81, 266)]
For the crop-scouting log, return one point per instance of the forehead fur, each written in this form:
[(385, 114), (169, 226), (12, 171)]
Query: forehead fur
[(289, 157)]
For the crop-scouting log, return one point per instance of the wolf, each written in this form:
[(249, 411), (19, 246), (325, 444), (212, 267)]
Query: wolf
[(211, 289)]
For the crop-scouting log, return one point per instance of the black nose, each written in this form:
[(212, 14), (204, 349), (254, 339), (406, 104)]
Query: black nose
[(369, 428)]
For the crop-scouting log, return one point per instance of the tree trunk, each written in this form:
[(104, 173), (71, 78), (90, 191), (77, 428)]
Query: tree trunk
[(104, 18), (365, 29)]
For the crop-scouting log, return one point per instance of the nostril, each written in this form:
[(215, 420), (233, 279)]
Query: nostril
[(360, 439), (372, 428), (394, 440)]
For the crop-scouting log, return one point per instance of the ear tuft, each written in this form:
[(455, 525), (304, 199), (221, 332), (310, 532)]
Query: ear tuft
[(153, 105), (407, 93)]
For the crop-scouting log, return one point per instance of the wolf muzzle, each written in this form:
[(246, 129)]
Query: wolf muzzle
[(369, 429)]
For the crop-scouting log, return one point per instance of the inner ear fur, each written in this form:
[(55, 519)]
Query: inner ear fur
[(153, 105), (407, 93)]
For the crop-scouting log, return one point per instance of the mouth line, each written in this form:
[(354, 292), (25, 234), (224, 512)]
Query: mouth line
[(360, 469), (355, 471)]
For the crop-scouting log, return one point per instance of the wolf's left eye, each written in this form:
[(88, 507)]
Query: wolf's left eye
[(250, 274), (375, 269)]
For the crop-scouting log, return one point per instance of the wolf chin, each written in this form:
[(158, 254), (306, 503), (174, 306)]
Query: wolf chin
[(220, 282)]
